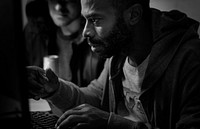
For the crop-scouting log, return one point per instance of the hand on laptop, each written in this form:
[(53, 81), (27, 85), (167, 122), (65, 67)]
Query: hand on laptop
[(83, 116)]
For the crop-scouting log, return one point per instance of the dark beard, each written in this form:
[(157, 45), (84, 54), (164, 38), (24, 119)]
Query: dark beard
[(116, 41)]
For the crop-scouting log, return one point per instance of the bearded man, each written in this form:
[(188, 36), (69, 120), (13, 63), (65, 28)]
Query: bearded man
[(151, 76)]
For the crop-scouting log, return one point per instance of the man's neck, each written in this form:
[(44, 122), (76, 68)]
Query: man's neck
[(141, 44), (71, 28)]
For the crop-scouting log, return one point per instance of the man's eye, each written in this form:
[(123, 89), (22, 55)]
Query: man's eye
[(95, 21)]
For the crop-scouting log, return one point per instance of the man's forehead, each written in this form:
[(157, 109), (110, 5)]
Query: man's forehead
[(95, 3), (95, 6), (63, 0)]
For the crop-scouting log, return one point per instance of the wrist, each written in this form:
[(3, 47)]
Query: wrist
[(49, 94)]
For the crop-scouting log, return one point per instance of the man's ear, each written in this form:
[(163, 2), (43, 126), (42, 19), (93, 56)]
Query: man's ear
[(133, 14)]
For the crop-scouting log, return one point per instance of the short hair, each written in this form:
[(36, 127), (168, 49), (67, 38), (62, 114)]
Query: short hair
[(36, 8)]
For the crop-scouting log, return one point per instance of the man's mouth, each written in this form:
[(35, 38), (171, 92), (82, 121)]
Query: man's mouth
[(62, 15), (93, 43)]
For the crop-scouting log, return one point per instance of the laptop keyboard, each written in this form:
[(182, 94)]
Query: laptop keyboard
[(43, 120)]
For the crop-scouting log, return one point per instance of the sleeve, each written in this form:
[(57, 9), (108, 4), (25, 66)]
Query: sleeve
[(190, 101), (190, 89), (70, 95), (118, 122)]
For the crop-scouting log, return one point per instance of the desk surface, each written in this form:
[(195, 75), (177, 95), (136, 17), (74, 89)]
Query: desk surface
[(39, 105)]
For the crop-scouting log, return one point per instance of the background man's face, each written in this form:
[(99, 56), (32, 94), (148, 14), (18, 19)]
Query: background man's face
[(63, 12), (105, 30)]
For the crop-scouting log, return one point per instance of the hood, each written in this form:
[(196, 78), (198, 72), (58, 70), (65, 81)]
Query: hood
[(36, 8), (164, 23), (170, 31)]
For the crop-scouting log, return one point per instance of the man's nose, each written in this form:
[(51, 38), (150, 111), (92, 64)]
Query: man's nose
[(88, 30), (57, 7), (61, 7)]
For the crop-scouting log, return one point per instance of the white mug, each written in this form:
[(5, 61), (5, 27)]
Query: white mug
[(51, 61)]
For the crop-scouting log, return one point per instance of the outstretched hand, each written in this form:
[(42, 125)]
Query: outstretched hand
[(83, 117), (42, 83)]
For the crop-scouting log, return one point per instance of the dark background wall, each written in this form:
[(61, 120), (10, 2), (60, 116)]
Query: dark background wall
[(13, 99)]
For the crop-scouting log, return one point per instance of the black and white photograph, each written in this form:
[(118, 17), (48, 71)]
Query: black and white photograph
[(100, 64)]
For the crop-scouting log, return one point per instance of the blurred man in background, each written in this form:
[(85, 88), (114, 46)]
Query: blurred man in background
[(55, 28)]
